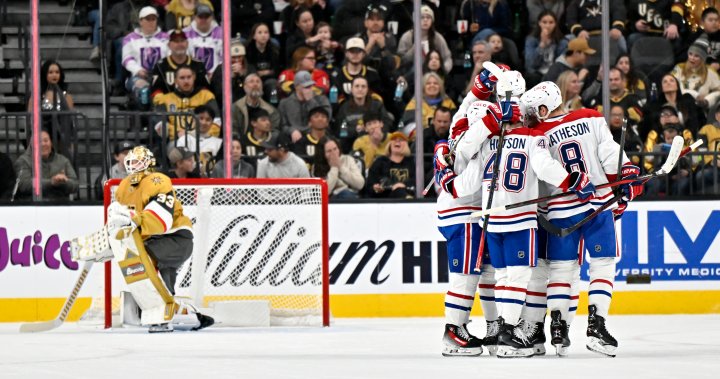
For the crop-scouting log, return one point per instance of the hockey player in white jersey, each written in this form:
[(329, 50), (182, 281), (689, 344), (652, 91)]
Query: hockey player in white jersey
[(511, 235), (581, 141)]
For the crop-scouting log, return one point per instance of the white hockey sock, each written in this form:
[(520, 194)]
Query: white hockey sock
[(514, 293), (536, 300), (574, 295), (460, 297), (486, 289), (558, 288), (500, 282), (602, 278)]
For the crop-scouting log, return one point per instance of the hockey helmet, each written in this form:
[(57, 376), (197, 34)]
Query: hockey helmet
[(545, 94), (139, 159), (512, 81)]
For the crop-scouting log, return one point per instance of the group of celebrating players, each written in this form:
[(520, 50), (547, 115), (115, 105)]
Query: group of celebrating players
[(520, 270)]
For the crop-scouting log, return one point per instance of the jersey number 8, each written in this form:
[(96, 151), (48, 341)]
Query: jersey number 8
[(513, 177)]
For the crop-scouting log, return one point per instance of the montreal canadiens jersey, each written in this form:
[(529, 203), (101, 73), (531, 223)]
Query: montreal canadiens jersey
[(452, 211), (152, 198), (525, 159), (205, 47), (581, 141)]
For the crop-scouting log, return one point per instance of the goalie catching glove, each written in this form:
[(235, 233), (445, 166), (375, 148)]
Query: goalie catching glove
[(120, 224), (579, 183)]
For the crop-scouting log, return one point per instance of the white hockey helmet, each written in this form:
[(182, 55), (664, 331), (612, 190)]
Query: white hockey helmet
[(512, 81), (139, 159), (545, 94)]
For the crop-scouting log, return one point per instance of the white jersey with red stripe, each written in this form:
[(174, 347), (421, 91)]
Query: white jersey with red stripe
[(525, 160), (581, 141), (452, 211)]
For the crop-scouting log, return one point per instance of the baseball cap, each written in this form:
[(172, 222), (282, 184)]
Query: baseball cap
[(177, 154), (396, 135), (376, 10), (237, 49), (319, 108), (147, 11), (276, 141), (303, 79), (122, 146), (355, 43), (670, 108), (177, 35), (580, 44), (203, 10)]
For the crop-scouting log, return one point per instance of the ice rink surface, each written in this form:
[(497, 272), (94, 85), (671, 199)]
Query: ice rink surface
[(650, 347)]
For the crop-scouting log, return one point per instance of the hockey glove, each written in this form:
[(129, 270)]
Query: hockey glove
[(460, 126), (120, 224), (444, 178), (634, 189), (618, 212), (485, 82), (507, 112), (441, 151), (579, 183)]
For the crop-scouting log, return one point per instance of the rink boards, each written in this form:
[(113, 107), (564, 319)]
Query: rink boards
[(386, 260)]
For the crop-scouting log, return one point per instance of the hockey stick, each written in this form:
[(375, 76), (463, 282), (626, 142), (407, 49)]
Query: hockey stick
[(35, 327), (676, 152), (562, 232)]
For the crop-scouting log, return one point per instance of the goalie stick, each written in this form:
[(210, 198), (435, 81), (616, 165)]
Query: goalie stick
[(35, 327), (676, 152)]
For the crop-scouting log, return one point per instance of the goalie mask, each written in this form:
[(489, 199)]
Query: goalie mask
[(545, 94), (138, 160)]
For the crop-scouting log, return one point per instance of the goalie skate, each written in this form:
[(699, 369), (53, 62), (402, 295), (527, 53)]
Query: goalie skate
[(599, 339), (458, 342), (161, 328)]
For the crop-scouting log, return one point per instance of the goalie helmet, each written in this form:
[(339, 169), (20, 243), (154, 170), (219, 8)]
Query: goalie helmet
[(139, 159), (512, 81), (545, 94)]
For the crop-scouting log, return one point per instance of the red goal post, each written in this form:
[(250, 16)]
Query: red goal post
[(261, 239)]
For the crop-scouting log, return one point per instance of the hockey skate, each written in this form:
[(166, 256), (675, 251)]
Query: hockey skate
[(513, 342), (204, 320), (559, 334), (491, 336), (458, 342), (599, 339), (536, 335), (160, 328)]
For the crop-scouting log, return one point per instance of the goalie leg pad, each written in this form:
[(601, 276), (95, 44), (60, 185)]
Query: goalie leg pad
[(460, 297), (170, 251)]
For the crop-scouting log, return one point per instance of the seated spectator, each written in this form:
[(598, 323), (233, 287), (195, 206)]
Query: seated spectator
[(373, 143), (431, 40), (185, 97), (238, 70), (392, 175), (400, 16), (688, 112), (294, 109), (246, 14), (340, 171), (440, 130), (303, 59), (122, 18), (240, 168), (318, 122), (200, 140), (574, 59), (353, 67), (279, 161), (260, 131), (302, 35), (656, 19), (117, 170), (535, 7), (380, 46), (327, 50), (180, 13), (677, 182), (636, 80), (543, 46), (697, 78), (706, 172), (264, 56), (182, 164), (319, 10), (633, 143), (7, 177), (481, 53), (570, 86), (488, 17), (619, 94), (205, 38), (584, 19), (431, 63), (252, 102), (433, 97), (163, 74), (55, 97), (668, 115), (58, 178), (349, 121), (709, 33), (499, 53), (141, 50)]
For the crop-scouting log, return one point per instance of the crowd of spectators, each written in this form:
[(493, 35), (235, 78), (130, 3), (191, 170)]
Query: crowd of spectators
[(326, 89)]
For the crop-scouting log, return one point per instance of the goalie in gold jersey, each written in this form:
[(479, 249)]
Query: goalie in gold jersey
[(146, 201)]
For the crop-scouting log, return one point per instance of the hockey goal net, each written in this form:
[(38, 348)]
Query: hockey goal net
[(254, 239)]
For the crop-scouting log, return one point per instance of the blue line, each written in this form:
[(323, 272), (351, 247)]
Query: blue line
[(600, 292), (565, 297), (450, 305)]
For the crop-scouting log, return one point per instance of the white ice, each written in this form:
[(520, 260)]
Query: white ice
[(409, 348)]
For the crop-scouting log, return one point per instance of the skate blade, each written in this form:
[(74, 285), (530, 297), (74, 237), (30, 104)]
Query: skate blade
[(492, 349), (595, 345), (539, 349), (508, 352), (561, 351), (455, 351)]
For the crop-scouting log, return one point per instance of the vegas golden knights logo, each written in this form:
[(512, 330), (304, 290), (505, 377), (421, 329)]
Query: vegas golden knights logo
[(400, 174)]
